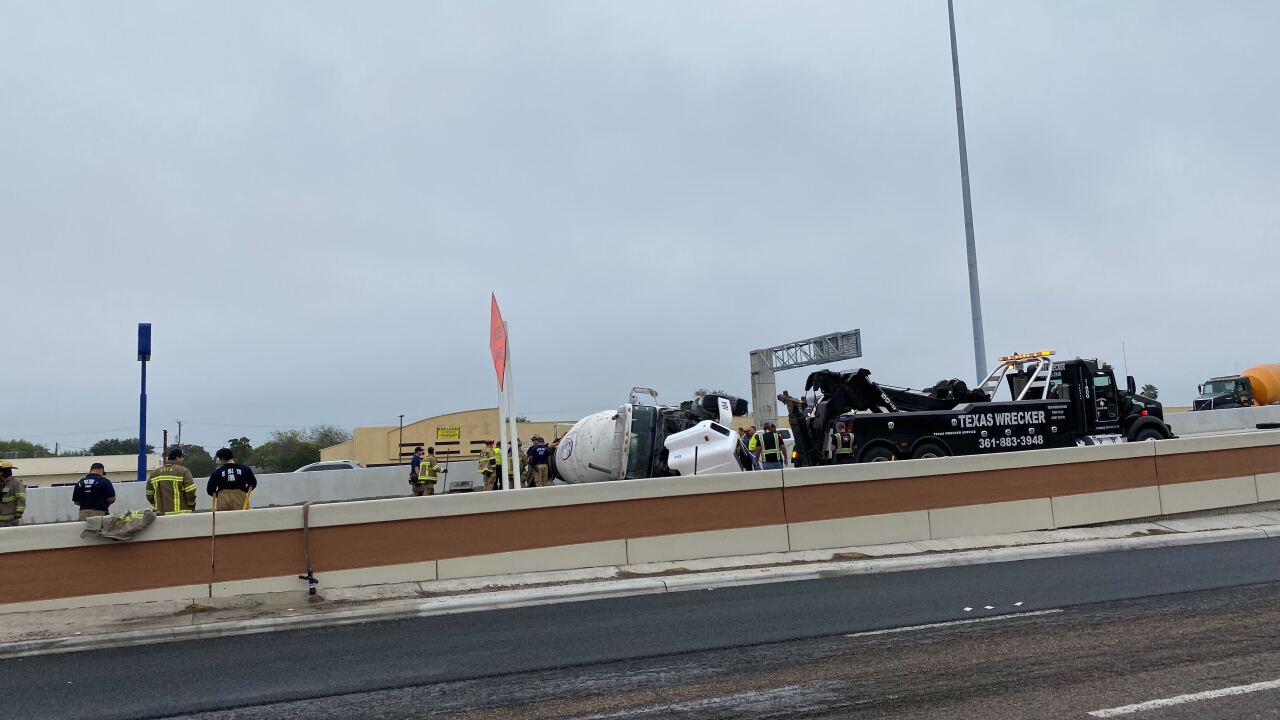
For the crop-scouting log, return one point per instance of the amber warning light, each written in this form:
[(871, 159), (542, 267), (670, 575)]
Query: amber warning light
[(1026, 356)]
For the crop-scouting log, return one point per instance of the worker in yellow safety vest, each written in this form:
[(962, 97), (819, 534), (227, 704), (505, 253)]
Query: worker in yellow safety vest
[(770, 448), (842, 445), (171, 489)]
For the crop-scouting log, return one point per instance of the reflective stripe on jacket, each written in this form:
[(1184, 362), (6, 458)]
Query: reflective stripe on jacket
[(427, 470), (844, 443), (770, 447), (171, 490)]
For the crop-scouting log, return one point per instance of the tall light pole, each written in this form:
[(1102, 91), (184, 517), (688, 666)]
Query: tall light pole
[(975, 296), (400, 449), (144, 354)]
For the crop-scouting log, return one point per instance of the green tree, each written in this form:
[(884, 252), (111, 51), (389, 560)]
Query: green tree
[(197, 459), (288, 450), (117, 446), (1150, 391), (522, 418), (24, 448), (242, 449), (323, 436)]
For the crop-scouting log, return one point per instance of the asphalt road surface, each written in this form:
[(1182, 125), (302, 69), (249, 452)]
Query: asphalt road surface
[(1048, 638)]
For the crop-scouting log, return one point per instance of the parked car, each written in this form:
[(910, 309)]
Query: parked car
[(331, 465)]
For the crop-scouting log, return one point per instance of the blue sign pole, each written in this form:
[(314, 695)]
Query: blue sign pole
[(144, 354)]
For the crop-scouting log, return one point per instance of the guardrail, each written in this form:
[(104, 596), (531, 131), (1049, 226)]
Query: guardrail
[(635, 521)]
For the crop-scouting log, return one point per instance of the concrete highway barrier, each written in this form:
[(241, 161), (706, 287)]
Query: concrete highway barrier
[(53, 504), (635, 521), (1218, 421)]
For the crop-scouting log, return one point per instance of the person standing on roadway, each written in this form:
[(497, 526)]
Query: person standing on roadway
[(170, 489), (231, 484), (488, 464), (770, 449), (94, 493), (425, 473), (842, 445), (13, 496), (414, 464), (539, 457)]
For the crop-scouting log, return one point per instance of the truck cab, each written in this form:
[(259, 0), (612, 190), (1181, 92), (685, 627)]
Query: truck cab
[(1102, 408), (1227, 391)]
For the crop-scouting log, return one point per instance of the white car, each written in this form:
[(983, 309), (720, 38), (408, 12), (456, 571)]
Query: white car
[(331, 465)]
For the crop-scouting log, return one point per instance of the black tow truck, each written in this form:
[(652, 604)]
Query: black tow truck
[(1051, 405)]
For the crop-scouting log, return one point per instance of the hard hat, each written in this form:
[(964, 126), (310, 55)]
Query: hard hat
[(6, 465)]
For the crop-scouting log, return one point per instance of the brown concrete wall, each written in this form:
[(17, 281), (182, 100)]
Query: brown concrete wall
[(928, 492), (44, 563)]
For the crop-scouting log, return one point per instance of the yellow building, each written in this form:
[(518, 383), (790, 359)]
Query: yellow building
[(455, 436)]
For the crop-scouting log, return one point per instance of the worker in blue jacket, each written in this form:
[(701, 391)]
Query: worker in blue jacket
[(94, 493)]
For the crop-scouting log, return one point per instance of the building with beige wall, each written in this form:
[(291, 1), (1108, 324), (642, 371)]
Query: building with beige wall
[(67, 469), (455, 436)]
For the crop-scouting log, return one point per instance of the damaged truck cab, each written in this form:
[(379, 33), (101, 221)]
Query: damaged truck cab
[(643, 439)]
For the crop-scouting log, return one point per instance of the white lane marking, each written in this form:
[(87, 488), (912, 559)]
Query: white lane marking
[(988, 607), (950, 623), (1183, 699), (968, 609), (1018, 604)]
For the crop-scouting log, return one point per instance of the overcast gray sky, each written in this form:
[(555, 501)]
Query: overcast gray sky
[(312, 201)]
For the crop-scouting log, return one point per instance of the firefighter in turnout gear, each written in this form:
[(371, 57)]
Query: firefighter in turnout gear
[(424, 480), (231, 484), (170, 489), (842, 445), (13, 496), (488, 464)]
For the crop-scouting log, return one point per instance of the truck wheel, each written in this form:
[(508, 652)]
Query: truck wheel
[(877, 454), (1149, 433), (928, 450)]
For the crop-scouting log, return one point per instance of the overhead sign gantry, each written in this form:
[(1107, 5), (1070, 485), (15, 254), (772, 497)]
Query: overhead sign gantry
[(820, 350)]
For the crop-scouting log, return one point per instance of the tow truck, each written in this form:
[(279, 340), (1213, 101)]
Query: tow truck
[(1051, 405)]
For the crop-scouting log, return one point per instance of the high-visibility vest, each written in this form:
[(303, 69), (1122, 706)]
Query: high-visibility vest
[(497, 458), (770, 447), (427, 470), (844, 443)]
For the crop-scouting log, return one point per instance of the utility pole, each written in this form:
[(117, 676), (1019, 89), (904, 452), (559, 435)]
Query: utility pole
[(400, 450), (179, 432), (975, 296)]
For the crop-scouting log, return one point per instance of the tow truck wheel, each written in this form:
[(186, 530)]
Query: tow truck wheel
[(877, 454), (928, 450), (1148, 434)]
